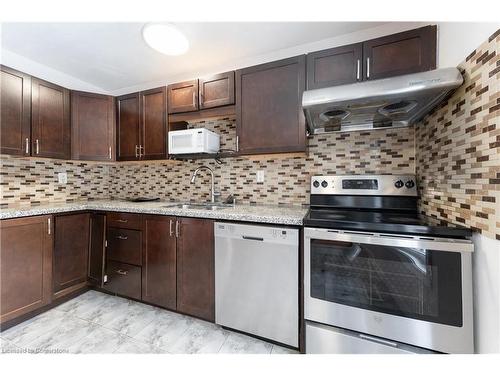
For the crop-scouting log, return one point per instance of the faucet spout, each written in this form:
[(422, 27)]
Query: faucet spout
[(212, 185)]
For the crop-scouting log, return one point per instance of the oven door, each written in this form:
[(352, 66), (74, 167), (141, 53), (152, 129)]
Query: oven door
[(414, 290)]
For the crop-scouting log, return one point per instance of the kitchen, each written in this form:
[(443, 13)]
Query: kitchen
[(307, 201)]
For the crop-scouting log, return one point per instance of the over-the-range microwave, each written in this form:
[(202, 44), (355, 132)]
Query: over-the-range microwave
[(193, 141)]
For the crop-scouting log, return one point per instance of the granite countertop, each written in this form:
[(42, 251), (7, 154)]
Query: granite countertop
[(287, 215)]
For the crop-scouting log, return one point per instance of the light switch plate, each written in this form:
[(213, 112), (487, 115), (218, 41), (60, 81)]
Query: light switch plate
[(260, 176), (62, 177)]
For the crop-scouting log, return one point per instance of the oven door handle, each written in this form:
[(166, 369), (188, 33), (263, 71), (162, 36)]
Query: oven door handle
[(425, 243)]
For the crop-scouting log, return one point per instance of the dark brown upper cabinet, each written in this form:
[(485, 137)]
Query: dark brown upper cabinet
[(50, 120), (71, 250), (153, 104), (183, 96), (141, 125), (335, 66), (269, 107), (159, 261), (127, 127), (196, 268), (216, 91), (15, 121), (92, 126), (26, 265), (402, 53)]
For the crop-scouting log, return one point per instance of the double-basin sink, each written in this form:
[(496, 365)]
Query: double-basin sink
[(199, 206)]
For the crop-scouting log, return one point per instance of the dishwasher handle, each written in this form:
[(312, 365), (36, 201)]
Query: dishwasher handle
[(252, 238)]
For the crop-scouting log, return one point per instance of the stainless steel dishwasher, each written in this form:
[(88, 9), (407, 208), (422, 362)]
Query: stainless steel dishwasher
[(257, 279)]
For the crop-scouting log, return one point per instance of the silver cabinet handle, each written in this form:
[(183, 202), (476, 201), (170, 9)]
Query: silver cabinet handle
[(136, 151), (110, 157), (177, 229), (37, 146), (237, 143), (48, 225), (141, 151), (367, 67), (27, 145), (194, 98), (358, 69), (120, 272), (121, 221), (121, 237), (171, 228)]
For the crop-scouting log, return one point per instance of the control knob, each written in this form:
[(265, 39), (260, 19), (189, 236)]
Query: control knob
[(316, 184), (324, 184), (409, 184), (399, 184)]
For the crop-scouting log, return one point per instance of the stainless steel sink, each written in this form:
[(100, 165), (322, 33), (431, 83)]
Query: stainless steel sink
[(199, 206)]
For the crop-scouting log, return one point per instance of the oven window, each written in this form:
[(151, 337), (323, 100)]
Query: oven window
[(415, 283)]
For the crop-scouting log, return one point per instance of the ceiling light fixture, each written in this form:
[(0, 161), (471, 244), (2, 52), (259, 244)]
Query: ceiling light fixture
[(165, 38)]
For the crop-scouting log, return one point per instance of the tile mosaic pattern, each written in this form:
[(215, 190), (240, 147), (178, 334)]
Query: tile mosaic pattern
[(287, 177), (458, 148), (96, 323), (26, 181)]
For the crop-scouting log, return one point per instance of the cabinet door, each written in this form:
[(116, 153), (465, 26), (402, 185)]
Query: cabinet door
[(97, 247), (26, 265), (217, 90), (335, 66), (50, 120), (154, 123), (269, 107), (195, 268), (159, 261), (15, 121), (127, 127), (402, 53), (123, 279), (71, 248), (124, 245), (92, 126), (183, 97)]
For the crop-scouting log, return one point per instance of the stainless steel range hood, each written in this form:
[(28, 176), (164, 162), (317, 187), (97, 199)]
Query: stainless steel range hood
[(391, 102)]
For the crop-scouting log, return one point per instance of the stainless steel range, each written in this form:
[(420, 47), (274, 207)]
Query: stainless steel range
[(378, 279)]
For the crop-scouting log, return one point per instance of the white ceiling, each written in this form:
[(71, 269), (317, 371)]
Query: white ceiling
[(113, 56)]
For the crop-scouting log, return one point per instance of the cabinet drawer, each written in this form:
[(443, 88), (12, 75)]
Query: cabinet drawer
[(123, 279), (124, 220), (125, 245)]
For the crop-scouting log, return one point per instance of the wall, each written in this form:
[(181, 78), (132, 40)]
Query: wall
[(25, 181), (287, 178), (458, 172)]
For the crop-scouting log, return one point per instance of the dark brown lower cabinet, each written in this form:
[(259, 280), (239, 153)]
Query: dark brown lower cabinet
[(71, 247), (123, 279), (159, 261), (196, 268), (97, 253), (26, 264)]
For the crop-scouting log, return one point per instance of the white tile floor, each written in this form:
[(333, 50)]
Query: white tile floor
[(95, 322)]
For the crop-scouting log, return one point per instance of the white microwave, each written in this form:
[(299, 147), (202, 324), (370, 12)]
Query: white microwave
[(193, 141)]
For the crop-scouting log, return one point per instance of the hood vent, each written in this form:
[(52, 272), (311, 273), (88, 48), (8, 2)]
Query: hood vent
[(385, 103)]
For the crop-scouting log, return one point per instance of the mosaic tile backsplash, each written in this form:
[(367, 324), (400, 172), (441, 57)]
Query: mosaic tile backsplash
[(33, 181), (287, 177), (458, 148)]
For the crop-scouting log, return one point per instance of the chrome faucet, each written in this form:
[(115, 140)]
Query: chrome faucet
[(212, 187)]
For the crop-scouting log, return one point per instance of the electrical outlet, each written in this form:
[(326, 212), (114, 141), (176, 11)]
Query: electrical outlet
[(260, 176), (62, 177)]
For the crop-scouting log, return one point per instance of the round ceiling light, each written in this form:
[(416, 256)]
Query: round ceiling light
[(165, 38)]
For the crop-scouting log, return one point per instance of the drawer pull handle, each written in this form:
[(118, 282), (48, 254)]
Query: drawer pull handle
[(121, 272), (122, 237), (121, 221)]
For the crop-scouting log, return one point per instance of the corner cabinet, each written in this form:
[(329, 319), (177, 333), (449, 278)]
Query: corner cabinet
[(269, 107), (92, 126), (50, 120), (141, 125), (15, 121), (26, 265)]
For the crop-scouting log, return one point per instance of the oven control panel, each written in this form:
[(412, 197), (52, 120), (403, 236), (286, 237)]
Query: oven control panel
[(397, 185)]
